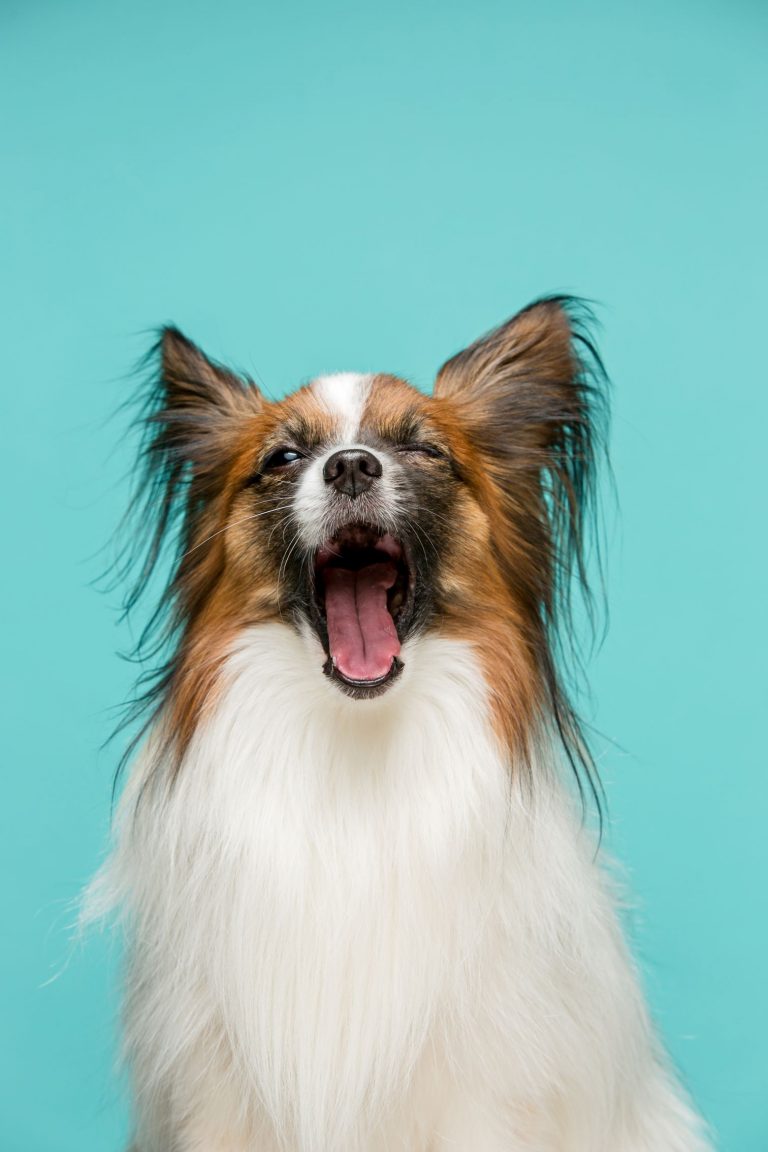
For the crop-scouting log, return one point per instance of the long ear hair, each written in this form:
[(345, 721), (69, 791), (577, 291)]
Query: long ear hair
[(189, 409), (533, 396)]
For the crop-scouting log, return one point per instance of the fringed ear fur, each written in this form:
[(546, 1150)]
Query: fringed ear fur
[(197, 403), (188, 422), (532, 397), (533, 386)]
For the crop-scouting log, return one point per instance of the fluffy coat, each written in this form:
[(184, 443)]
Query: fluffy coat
[(363, 917)]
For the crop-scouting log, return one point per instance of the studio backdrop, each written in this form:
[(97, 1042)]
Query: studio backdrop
[(308, 187)]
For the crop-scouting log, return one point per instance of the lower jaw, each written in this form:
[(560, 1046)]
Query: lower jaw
[(363, 689)]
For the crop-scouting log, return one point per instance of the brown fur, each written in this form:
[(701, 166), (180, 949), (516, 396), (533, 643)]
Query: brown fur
[(513, 417)]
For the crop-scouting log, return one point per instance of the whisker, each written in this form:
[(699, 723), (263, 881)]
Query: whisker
[(280, 524), (283, 567), (421, 537), (432, 514), (287, 556), (229, 524)]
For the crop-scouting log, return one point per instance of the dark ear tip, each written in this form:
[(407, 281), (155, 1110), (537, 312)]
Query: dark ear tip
[(554, 311), (568, 311), (177, 351), (183, 366), (172, 338)]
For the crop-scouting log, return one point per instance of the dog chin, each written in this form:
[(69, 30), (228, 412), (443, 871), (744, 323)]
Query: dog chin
[(364, 689)]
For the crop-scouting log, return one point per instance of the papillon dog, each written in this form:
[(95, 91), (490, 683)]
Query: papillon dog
[(361, 902)]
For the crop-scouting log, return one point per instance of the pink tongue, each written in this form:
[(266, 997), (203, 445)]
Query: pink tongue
[(361, 632)]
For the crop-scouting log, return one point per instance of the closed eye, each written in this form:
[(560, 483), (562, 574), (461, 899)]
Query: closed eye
[(422, 449)]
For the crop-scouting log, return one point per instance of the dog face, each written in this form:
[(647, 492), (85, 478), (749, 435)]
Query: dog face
[(359, 501), (365, 514)]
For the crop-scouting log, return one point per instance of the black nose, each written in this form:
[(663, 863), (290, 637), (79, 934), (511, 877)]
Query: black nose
[(352, 471)]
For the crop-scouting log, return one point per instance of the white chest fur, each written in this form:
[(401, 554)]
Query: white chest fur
[(322, 871), (334, 892)]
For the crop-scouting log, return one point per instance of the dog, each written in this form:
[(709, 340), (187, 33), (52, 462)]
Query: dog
[(360, 898)]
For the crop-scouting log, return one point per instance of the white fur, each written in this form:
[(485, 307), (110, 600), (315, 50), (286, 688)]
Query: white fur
[(344, 394), (318, 511), (352, 931)]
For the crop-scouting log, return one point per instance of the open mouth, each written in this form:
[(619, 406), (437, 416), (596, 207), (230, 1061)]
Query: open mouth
[(363, 594)]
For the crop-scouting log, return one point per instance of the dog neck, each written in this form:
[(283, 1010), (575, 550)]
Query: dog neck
[(337, 862)]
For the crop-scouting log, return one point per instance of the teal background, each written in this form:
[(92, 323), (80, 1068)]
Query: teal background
[(307, 187)]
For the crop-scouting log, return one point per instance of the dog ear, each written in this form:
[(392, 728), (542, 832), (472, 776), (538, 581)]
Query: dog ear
[(531, 396), (525, 389), (188, 422), (197, 402)]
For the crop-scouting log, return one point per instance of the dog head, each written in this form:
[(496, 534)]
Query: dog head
[(366, 514)]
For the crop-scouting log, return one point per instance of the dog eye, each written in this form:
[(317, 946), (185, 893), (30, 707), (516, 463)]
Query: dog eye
[(420, 449), (281, 458)]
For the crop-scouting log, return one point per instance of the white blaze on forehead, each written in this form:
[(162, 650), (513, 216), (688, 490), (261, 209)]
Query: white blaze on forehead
[(343, 397), (344, 394)]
